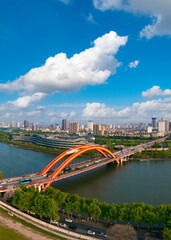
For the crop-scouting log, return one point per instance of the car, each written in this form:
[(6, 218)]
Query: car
[(68, 220), (96, 161), (62, 224), (102, 234), (91, 232), (54, 222), (87, 165), (32, 213)]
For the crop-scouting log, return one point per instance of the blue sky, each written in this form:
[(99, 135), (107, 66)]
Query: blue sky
[(108, 60)]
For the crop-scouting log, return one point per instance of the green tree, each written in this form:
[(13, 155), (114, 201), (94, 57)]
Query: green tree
[(94, 210), (167, 233), (38, 207), (113, 212), (51, 209)]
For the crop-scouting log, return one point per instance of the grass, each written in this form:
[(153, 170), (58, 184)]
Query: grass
[(6, 233), (29, 226)]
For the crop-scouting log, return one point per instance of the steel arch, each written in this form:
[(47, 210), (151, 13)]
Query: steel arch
[(62, 155), (72, 157)]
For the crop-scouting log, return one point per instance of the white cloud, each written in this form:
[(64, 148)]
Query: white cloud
[(92, 66), (155, 91), (133, 64), (158, 10), (26, 101), (140, 111), (23, 106), (65, 1), (90, 18)]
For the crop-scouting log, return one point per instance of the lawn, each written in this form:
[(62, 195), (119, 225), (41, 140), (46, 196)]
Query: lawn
[(6, 233)]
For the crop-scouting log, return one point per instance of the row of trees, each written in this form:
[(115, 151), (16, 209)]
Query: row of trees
[(120, 140), (48, 204), (155, 154)]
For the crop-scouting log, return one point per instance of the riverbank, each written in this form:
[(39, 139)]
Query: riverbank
[(152, 159), (37, 148)]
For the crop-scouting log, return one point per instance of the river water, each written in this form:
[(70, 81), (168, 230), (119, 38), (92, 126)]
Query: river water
[(135, 181)]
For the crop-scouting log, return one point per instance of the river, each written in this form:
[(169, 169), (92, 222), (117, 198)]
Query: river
[(135, 181)]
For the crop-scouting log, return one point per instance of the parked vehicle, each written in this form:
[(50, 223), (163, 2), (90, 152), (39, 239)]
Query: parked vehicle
[(62, 224), (68, 220), (91, 232)]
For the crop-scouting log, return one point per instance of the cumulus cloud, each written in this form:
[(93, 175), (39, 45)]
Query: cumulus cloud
[(26, 101), (140, 111), (92, 66), (155, 91), (22, 102), (99, 110), (23, 106), (133, 64), (158, 10)]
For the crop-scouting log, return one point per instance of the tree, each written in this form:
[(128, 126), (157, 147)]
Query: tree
[(39, 205), (105, 208), (94, 210), (113, 212), (51, 209), (167, 233), (121, 232), (69, 207), (1, 175), (149, 217)]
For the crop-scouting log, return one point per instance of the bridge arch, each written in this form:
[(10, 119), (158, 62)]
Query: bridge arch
[(64, 154), (75, 155)]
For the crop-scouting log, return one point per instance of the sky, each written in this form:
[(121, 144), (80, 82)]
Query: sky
[(102, 60)]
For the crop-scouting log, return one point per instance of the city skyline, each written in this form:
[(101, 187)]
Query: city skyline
[(108, 61)]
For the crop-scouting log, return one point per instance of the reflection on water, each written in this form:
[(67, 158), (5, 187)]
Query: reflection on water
[(148, 181)]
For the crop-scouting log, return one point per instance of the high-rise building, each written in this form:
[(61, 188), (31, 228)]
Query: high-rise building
[(56, 126), (167, 126), (26, 124), (163, 125), (98, 129), (14, 124), (154, 123), (149, 129), (73, 127), (90, 126), (64, 124), (33, 126)]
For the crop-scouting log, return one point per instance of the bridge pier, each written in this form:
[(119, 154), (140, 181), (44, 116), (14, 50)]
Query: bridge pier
[(124, 159), (40, 187)]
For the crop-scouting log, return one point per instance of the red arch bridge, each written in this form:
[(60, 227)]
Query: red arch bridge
[(68, 168)]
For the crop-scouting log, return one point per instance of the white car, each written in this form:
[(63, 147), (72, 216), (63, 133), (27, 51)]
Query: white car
[(68, 220), (91, 232), (62, 224), (54, 222)]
